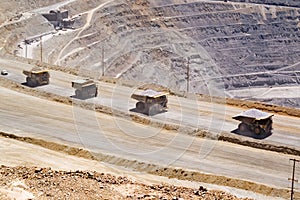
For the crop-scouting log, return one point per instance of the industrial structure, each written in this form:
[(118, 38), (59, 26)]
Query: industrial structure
[(59, 19)]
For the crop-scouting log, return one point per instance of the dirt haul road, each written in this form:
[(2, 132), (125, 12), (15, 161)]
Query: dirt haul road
[(120, 140), (187, 113), (16, 153)]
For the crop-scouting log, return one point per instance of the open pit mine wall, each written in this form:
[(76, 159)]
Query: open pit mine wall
[(250, 45)]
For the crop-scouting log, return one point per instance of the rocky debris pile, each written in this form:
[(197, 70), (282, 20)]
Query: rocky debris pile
[(45, 183)]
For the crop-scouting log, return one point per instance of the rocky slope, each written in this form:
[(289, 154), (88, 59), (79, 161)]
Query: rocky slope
[(225, 45), (247, 45)]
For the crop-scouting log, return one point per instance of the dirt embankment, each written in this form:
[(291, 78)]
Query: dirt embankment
[(170, 172), (45, 183)]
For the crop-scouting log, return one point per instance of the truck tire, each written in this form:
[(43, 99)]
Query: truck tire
[(257, 130), (96, 92), (30, 82), (85, 94), (140, 106), (39, 80), (243, 127), (47, 81), (153, 109), (268, 129), (78, 93)]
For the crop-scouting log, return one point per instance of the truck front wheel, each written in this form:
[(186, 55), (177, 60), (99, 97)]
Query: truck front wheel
[(140, 106), (78, 93), (243, 127), (257, 130), (154, 109), (30, 82)]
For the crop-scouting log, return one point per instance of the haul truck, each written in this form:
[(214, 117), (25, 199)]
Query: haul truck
[(85, 88), (150, 102), (254, 121), (36, 77)]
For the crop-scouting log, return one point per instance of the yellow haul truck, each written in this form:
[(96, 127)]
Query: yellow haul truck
[(36, 77)]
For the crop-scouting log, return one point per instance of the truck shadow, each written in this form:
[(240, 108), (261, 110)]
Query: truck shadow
[(145, 113), (251, 134), (27, 85), (81, 98)]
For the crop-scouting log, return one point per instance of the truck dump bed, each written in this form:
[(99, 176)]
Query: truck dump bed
[(141, 96), (253, 114), (34, 71), (78, 84), (36, 77)]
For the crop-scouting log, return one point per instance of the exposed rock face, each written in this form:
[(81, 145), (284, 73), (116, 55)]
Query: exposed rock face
[(245, 45), (223, 45)]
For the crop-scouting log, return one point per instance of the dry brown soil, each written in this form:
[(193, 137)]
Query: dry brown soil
[(45, 183)]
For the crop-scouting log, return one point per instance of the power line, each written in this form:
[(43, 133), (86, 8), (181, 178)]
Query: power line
[(293, 176)]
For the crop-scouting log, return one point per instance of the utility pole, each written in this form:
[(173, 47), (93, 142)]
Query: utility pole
[(188, 75), (103, 60), (293, 177), (25, 42), (25, 50), (41, 43)]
